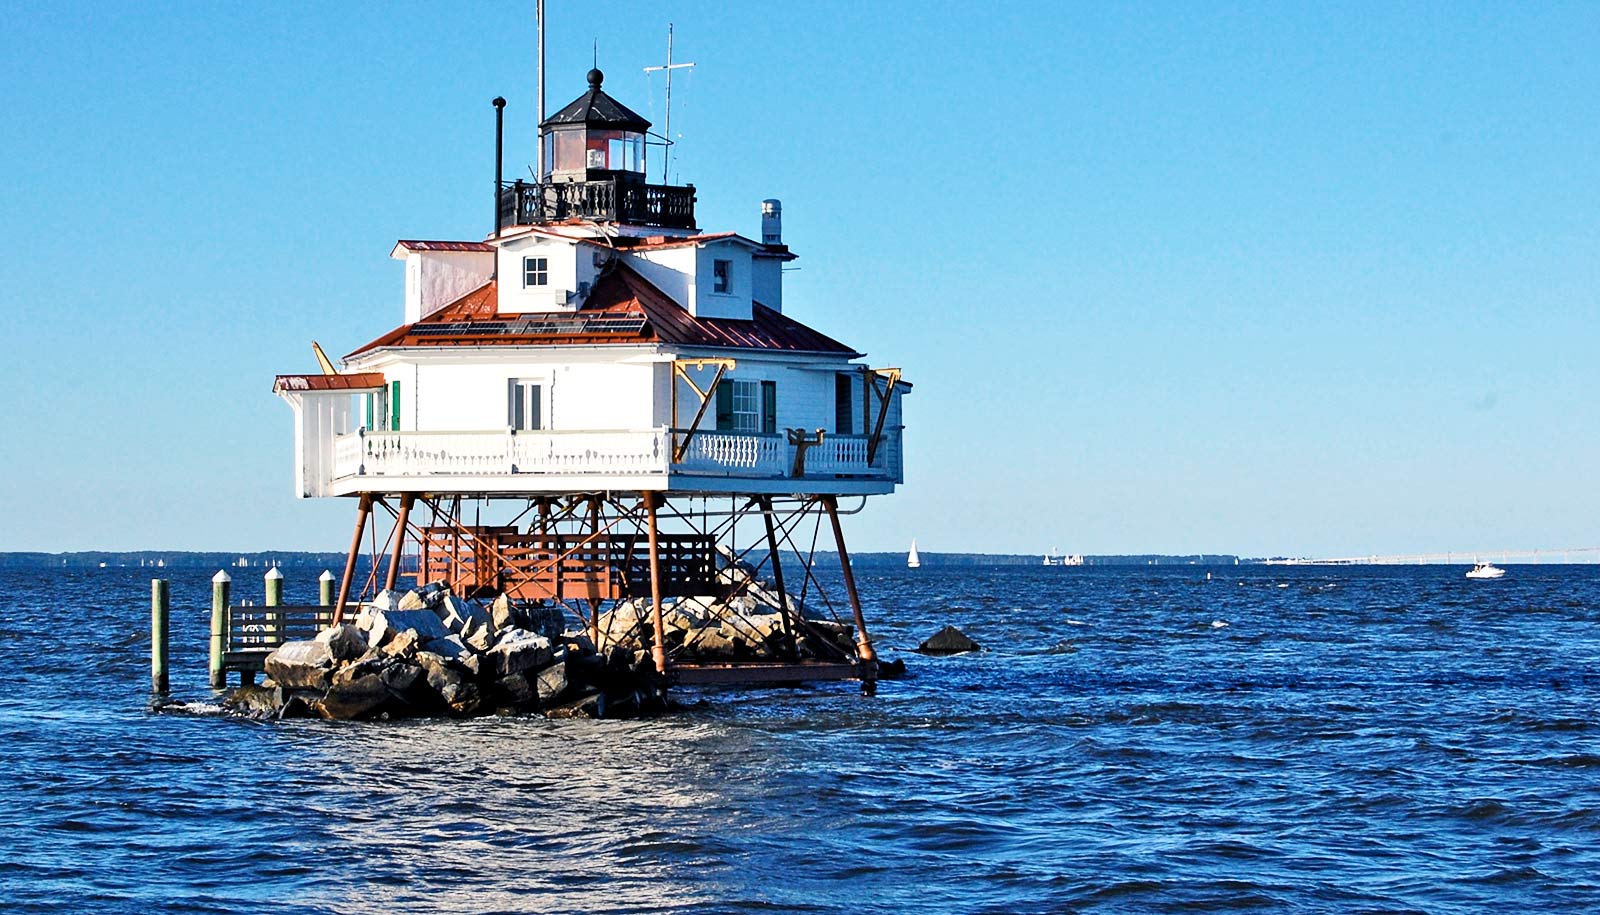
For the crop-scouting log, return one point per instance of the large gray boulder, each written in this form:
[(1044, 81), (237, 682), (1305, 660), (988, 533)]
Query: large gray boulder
[(519, 650), (452, 687), (517, 690), (300, 665), (591, 704), (504, 613), (452, 649), (357, 698), (386, 600), (551, 683), (948, 640), (345, 642), (383, 623), (402, 644), (254, 701)]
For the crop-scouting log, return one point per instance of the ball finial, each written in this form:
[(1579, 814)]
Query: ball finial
[(595, 78)]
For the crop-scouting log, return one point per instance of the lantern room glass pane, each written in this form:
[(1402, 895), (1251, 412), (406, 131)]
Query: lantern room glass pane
[(569, 151)]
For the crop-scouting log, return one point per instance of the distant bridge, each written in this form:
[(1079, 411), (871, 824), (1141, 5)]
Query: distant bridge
[(1564, 555)]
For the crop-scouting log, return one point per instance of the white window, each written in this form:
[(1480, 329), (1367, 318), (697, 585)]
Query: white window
[(525, 404), (747, 406), (721, 270), (535, 271)]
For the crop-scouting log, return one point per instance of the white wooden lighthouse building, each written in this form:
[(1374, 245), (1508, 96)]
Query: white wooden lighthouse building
[(620, 387)]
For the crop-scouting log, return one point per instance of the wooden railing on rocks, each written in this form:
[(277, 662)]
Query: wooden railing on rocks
[(252, 632)]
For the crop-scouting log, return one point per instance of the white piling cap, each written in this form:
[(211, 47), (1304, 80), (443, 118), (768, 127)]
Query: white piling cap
[(325, 576), (273, 574), (221, 578)]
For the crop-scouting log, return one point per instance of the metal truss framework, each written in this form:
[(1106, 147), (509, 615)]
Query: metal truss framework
[(591, 552)]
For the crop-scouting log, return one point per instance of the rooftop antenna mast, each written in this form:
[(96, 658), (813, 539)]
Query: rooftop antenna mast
[(538, 12), (666, 153)]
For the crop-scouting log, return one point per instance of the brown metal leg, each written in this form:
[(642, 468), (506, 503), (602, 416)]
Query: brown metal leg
[(362, 512), (765, 503), (658, 651), (399, 541), (594, 603), (863, 641)]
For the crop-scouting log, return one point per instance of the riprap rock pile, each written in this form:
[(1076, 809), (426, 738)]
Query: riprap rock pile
[(429, 653), (746, 625)]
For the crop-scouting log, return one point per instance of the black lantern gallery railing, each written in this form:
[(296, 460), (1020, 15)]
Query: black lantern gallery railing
[(634, 203)]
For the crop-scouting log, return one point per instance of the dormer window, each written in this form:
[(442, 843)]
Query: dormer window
[(535, 272), (720, 272)]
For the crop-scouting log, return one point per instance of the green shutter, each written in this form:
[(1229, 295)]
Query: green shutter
[(370, 398), (843, 398), (769, 407), (725, 406), (394, 406)]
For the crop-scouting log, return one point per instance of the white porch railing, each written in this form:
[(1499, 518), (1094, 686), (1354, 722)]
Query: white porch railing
[(630, 453), (838, 454), (736, 453), (499, 453)]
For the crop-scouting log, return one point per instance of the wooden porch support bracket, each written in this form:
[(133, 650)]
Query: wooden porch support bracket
[(362, 511), (802, 443), (863, 641), (658, 648), (679, 449), (406, 500), (883, 406)]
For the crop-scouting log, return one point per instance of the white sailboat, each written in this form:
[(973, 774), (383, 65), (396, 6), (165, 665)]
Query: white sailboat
[(913, 561)]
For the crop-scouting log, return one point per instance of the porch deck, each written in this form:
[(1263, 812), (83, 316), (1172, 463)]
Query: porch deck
[(557, 461)]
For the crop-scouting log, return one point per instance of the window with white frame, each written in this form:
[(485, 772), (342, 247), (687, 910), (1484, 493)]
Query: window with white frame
[(746, 406), (721, 271), (525, 404), (535, 271)]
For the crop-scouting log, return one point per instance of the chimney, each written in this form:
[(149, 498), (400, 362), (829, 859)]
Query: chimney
[(771, 222)]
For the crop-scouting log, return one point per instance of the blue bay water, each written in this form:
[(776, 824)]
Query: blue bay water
[(1352, 740)]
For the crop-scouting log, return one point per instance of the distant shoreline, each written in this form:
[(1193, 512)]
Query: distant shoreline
[(211, 560)]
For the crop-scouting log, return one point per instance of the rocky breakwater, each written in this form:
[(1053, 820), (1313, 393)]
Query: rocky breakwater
[(429, 653), (745, 623)]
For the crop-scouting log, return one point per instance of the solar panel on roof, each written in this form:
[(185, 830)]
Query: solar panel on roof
[(537, 325)]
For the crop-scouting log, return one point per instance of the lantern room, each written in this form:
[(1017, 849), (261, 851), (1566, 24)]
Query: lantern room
[(594, 138)]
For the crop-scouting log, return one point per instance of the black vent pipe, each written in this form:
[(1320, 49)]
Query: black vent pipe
[(499, 156)]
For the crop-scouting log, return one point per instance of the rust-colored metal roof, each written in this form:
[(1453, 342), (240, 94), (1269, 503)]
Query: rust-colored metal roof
[(356, 381), (416, 245), (623, 308), (634, 242)]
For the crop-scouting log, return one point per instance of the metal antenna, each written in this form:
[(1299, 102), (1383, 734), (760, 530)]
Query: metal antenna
[(538, 8), (665, 157)]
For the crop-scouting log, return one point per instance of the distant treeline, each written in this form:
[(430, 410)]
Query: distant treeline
[(93, 559), (1035, 559), (171, 559)]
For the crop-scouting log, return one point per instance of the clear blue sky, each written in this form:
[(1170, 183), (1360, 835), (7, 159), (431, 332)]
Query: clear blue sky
[(1168, 277)]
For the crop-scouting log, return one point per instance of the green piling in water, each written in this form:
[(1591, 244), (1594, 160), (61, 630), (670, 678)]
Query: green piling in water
[(220, 584), (274, 582), (327, 582), (159, 597)]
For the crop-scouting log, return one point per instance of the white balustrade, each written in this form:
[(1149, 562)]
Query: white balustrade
[(838, 454), (642, 452), (499, 453), (736, 454)]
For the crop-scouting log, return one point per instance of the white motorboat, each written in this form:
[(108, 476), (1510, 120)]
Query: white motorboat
[(1486, 570)]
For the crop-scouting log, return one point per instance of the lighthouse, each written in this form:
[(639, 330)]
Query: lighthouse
[(603, 407)]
